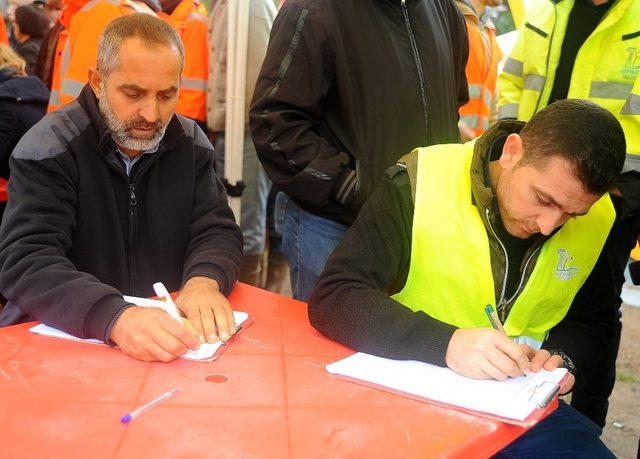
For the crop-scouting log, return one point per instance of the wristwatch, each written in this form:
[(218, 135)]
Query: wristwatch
[(566, 361)]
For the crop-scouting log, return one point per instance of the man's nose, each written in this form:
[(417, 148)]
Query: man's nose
[(550, 220), (150, 110)]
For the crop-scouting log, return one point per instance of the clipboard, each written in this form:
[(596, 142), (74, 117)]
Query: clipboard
[(438, 386)]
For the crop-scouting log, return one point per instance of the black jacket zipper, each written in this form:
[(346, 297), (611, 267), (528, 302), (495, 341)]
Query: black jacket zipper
[(131, 246), (132, 203), (416, 57)]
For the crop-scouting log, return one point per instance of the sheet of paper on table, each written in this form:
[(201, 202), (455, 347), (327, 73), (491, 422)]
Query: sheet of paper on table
[(206, 350)]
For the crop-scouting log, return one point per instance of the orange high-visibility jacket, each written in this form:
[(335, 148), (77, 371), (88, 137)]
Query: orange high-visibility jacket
[(81, 48), (4, 37), (193, 29), (60, 63), (481, 71)]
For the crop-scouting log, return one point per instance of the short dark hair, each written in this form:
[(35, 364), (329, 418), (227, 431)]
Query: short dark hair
[(586, 135), (151, 30), (32, 20)]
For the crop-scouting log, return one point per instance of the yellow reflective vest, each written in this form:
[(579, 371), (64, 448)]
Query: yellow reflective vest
[(450, 276), (605, 70)]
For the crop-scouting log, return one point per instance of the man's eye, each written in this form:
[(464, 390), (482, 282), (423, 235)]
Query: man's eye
[(132, 95), (166, 96), (542, 201)]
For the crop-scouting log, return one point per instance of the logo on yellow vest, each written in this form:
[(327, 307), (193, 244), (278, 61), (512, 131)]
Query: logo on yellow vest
[(631, 67), (564, 272)]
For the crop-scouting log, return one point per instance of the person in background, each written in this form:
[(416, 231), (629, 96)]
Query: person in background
[(346, 88), (53, 9), (482, 68), (189, 17), (81, 47), (12, 5), (115, 192), (4, 36), (519, 219), (587, 49), (254, 201), (29, 27), (23, 102)]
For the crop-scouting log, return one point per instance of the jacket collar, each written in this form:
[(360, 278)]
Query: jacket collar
[(483, 193), (87, 100)]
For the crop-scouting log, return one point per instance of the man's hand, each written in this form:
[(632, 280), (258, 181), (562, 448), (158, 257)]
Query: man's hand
[(151, 334), (484, 353), (207, 309), (544, 359)]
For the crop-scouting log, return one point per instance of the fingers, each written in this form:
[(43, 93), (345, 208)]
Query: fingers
[(528, 351), (539, 360), (567, 383), (179, 332), (208, 321), (189, 326), (515, 352), (553, 362), (160, 353), (225, 322), (504, 365)]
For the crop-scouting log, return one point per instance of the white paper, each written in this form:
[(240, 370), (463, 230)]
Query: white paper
[(513, 398), (205, 351)]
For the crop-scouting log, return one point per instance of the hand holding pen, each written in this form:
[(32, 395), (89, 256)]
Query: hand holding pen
[(486, 353)]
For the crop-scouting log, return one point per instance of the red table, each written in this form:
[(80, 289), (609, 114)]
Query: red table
[(64, 399)]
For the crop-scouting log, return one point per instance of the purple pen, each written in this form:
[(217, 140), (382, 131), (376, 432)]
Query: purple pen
[(138, 411)]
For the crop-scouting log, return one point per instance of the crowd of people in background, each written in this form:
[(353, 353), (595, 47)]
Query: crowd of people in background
[(337, 93)]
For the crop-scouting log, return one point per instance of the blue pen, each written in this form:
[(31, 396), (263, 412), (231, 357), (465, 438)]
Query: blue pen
[(138, 411)]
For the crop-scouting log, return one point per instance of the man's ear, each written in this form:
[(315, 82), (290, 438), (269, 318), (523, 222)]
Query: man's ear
[(95, 81), (511, 151)]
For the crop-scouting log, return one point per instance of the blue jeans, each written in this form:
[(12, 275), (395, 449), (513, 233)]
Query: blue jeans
[(564, 433), (307, 242), (254, 197)]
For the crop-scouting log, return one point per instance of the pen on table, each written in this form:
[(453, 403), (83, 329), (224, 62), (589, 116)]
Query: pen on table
[(497, 325), (162, 292), (138, 411)]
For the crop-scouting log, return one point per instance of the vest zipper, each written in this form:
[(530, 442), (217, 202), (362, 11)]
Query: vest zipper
[(416, 57), (521, 283), (506, 270)]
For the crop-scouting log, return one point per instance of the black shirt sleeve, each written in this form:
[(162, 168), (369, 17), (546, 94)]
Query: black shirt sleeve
[(351, 302), (590, 323)]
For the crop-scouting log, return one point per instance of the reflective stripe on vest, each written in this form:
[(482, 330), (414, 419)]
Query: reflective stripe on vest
[(606, 68), (72, 88), (608, 90), (508, 111), (475, 91), (632, 106), (513, 66), (534, 82), (196, 84), (54, 98), (450, 276)]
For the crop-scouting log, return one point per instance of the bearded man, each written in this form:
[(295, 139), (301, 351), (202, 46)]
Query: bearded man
[(113, 193)]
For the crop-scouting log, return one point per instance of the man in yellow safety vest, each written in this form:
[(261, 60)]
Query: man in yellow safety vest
[(520, 219)]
